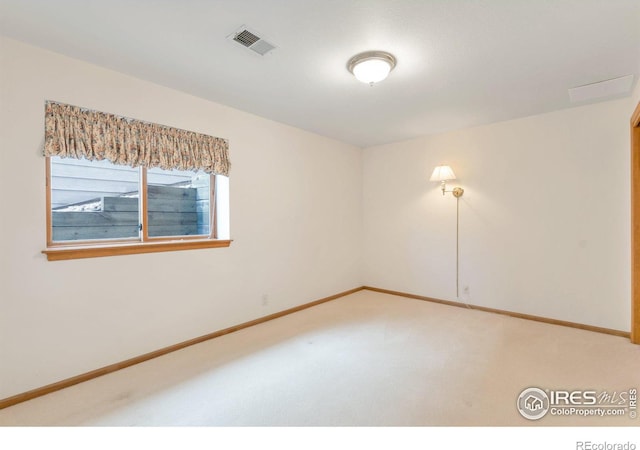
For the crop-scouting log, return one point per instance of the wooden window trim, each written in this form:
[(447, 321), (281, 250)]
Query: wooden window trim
[(57, 251), (76, 252)]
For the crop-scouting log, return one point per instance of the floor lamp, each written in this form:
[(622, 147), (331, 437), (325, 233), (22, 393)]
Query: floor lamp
[(444, 174)]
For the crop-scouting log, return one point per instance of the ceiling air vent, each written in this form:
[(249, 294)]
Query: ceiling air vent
[(602, 90), (251, 40)]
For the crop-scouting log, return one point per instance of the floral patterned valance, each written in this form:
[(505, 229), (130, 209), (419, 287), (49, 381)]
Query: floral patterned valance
[(74, 132)]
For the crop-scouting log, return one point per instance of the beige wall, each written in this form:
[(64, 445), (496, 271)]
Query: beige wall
[(295, 221), (544, 221)]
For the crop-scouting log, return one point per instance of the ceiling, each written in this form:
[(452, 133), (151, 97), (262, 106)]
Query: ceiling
[(461, 63)]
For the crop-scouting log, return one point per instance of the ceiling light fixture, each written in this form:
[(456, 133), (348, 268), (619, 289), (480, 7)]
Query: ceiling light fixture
[(371, 67)]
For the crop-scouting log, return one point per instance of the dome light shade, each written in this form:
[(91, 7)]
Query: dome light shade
[(371, 67), (371, 70)]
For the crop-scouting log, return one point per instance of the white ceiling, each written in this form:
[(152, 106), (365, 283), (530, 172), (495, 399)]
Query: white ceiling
[(460, 62)]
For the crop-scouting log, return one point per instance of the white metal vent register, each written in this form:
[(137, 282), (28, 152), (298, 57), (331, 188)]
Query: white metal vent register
[(251, 40)]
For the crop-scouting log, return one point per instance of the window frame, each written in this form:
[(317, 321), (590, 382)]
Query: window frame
[(144, 243)]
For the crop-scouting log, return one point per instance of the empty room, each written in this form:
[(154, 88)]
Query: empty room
[(320, 213)]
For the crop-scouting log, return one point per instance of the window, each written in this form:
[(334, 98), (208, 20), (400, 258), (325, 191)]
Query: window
[(98, 200), (100, 204), (96, 207)]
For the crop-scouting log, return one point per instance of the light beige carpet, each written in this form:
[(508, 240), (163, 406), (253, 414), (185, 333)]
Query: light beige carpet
[(365, 359)]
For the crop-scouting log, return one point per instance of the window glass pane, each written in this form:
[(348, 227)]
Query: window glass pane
[(93, 200), (178, 202)]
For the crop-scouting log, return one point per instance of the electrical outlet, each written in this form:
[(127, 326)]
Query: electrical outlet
[(265, 299)]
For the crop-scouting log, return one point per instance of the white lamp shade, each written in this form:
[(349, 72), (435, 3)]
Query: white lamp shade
[(442, 173), (371, 70), (371, 67)]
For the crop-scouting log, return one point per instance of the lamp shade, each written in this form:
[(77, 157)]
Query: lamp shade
[(371, 70), (442, 173), (371, 67)]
